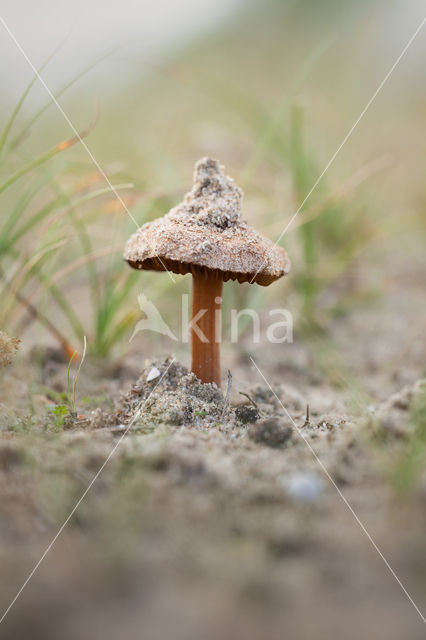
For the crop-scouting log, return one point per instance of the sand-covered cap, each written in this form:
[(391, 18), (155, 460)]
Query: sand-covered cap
[(206, 232)]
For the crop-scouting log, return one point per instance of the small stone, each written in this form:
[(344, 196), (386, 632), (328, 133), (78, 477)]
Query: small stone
[(10, 456), (271, 432), (153, 374), (391, 423), (402, 400), (247, 414), (303, 486)]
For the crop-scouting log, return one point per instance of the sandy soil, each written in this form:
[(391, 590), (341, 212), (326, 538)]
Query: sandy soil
[(213, 520)]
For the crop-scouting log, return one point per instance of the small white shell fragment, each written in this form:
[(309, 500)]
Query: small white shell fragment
[(154, 373)]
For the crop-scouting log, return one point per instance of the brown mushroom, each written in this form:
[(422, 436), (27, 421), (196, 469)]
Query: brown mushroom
[(205, 236)]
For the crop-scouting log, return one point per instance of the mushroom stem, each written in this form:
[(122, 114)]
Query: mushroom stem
[(206, 326)]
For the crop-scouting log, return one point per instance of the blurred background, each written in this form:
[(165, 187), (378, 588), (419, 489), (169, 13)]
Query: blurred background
[(269, 88)]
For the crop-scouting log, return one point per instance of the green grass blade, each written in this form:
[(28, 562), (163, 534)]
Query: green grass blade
[(117, 331), (25, 93), (44, 157), (65, 88), (112, 301), (33, 164)]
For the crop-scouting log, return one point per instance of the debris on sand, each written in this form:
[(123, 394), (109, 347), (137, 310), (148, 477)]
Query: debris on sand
[(392, 417), (8, 349), (174, 396)]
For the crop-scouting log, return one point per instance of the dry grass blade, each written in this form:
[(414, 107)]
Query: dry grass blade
[(80, 200), (43, 319), (78, 264), (24, 268)]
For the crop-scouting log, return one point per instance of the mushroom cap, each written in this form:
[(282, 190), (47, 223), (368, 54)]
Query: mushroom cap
[(205, 233)]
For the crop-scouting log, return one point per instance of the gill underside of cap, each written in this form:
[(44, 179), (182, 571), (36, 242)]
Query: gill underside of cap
[(181, 268)]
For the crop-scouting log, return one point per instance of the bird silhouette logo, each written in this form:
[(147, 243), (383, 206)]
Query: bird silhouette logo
[(153, 320)]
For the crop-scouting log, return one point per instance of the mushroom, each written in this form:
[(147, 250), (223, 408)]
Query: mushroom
[(205, 236)]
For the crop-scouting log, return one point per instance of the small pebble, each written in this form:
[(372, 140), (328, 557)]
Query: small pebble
[(271, 431), (247, 414), (10, 456), (303, 486), (154, 373)]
